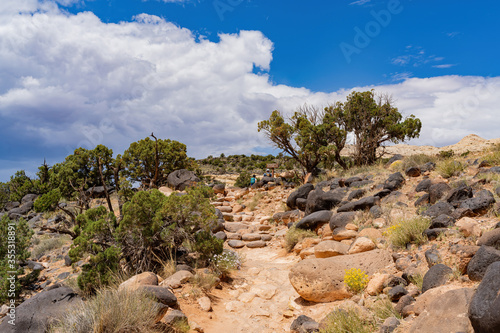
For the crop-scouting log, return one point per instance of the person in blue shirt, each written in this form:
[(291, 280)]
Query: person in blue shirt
[(267, 173), (252, 180)]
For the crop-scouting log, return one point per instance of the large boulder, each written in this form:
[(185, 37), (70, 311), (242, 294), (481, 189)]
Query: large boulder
[(21, 210), (35, 314), (394, 182), (424, 185), (340, 220), (460, 193), (439, 209), (318, 200), (436, 276), (484, 257), (98, 191), (438, 191), (180, 179), (322, 280), (362, 204), (29, 198), (445, 313), (484, 309), (301, 192), (480, 204), (315, 220), (490, 238)]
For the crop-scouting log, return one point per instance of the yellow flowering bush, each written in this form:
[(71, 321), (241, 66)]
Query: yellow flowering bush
[(355, 279)]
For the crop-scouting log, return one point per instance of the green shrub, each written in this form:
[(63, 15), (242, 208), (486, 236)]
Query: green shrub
[(243, 179), (449, 168), (48, 201), (383, 309), (18, 234), (408, 231), (346, 321), (112, 311), (415, 161), (207, 245), (101, 270), (446, 153), (295, 235), (355, 279)]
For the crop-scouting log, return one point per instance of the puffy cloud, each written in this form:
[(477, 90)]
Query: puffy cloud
[(72, 80)]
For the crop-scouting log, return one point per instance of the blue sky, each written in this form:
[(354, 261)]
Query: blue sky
[(79, 73)]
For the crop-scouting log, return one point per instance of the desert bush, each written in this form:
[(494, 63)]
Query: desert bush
[(383, 309), (345, 321), (112, 311), (408, 231), (207, 245), (255, 201), (225, 263), (446, 154), (295, 235), (355, 279), (204, 281), (45, 245), (47, 201), (417, 280), (243, 179), (449, 168), (415, 161), (18, 234)]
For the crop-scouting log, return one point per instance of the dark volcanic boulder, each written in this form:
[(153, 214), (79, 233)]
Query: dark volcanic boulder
[(304, 324), (301, 192), (21, 210), (438, 209), (442, 221), (340, 220), (459, 194), (438, 191), (429, 166), (365, 203), (161, 294), (423, 186), (436, 276), (98, 191), (484, 309), (35, 314), (484, 257), (423, 200), (315, 220), (356, 194), (394, 182), (413, 172), (350, 180), (318, 200), (180, 179), (480, 204), (490, 238), (29, 198), (361, 183), (397, 157)]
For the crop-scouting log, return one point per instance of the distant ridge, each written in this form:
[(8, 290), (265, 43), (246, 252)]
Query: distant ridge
[(472, 143)]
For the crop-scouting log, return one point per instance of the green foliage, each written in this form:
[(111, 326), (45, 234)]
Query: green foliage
[(310, 137), (374, 120), (47, 201), (446, 153), (355, 279), (153, 226), (346, 321), (80, 171), (207, 245), (20, 185), (16, 238), (243, 179), (141, 158), (295, 235), (449, 168), (383, 309), (111, 310), (95, 229), (408, 231)]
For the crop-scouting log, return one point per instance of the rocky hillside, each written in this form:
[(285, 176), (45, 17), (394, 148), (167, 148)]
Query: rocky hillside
[(410, 246)]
